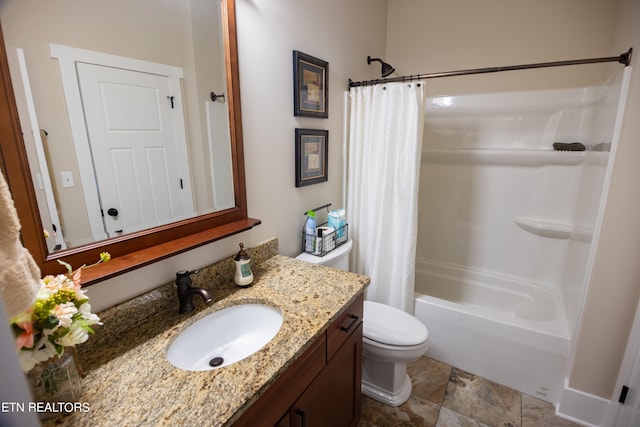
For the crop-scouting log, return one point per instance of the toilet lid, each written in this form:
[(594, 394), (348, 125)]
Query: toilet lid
[(389, 325)]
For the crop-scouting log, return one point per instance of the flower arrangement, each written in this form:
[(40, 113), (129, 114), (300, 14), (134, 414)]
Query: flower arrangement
[(60, 317)]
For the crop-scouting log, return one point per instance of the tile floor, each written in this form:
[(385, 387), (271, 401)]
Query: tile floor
[(444, 396)]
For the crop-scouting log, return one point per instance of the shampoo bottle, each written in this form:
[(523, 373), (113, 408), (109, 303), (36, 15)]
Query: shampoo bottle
[(310, 233)]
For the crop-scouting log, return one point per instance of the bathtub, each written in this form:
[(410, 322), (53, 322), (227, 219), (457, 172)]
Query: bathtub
[(506, 330)]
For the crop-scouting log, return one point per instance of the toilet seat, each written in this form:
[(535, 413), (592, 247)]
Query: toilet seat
[(390, 326), (421, 347)]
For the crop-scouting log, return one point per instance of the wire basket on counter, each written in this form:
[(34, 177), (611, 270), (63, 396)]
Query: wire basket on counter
[(315, 244)]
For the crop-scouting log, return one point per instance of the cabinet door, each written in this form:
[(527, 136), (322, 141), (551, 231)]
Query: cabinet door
[(312, 408), (345, 372), (285, 421), (277, 400), (333, 399)]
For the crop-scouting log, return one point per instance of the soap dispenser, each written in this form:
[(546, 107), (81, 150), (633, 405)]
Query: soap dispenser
[(243, 276)]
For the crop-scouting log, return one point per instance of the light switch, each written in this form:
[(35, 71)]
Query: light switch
[(67, 179)]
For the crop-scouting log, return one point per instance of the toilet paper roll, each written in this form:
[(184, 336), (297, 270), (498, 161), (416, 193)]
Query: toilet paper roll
[(328, 236), (326, 230)]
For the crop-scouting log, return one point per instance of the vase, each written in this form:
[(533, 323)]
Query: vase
[(55, 384)]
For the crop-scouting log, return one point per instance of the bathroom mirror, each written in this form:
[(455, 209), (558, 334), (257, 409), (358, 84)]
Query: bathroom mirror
[(207, 168)]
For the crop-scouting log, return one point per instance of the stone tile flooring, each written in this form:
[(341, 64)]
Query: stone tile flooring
[(444, 396)]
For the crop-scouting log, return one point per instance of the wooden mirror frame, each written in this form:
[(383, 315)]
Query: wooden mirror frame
[(141, 248)]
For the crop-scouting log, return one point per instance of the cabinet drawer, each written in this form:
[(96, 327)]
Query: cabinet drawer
[(342, 328)]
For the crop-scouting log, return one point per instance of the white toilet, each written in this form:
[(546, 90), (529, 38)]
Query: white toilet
[(392, 338)]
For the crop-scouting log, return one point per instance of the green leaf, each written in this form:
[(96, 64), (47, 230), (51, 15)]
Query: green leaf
[(67, 265), (48, 322)]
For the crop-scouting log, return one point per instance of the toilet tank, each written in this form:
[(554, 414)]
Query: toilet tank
[(337, 258)]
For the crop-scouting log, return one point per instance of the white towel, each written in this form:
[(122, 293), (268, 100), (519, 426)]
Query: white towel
[(19, 274), (9, 222)]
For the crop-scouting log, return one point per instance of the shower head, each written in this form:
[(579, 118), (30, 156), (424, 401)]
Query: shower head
[(386, 70)]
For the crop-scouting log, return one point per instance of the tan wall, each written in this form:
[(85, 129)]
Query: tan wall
[(615, 283), (427, 36), (337, 31)]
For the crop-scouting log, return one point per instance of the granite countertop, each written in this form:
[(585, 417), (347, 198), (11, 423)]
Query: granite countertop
[(130, 382)]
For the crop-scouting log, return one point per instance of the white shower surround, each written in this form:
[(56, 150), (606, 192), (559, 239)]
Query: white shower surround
[(506, 227)]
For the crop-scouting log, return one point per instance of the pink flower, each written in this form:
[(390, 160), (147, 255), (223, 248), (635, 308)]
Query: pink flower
[(54, 283), (77, 286), (76, 278), (25, 339), (64, 313)]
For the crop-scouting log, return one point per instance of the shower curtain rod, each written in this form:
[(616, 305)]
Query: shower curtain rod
[(624, 58)]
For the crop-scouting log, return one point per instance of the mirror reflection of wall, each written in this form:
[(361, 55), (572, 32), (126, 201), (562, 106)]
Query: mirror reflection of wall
[(179, 35)]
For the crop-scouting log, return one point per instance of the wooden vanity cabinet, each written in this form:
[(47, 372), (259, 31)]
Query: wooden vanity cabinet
[(333, 398), (322, 387)]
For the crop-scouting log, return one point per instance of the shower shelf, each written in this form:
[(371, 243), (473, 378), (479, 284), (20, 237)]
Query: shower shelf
[(555, 230), (503, 156)]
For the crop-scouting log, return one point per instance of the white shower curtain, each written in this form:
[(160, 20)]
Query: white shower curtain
[(385, 145)]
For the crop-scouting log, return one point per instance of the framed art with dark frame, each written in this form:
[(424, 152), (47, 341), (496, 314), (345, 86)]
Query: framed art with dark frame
[(310, 86), (312, 156)]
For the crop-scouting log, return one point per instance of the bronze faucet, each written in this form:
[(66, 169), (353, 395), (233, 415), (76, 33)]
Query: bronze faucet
[(186, 292)]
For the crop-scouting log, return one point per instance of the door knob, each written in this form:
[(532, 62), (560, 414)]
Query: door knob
[(112, 212)]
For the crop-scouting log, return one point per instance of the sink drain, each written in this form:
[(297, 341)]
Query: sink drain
[(216, 361)]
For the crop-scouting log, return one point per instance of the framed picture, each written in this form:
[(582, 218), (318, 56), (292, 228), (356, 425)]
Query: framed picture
[(312, 156), (310, 86)]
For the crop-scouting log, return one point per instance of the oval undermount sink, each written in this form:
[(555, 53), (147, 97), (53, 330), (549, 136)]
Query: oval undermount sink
[(225, 337)]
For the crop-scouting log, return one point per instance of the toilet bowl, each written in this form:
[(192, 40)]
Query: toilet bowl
[(391, 339)]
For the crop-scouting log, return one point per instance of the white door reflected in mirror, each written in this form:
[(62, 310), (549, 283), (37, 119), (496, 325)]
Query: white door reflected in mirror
[(138, 148)]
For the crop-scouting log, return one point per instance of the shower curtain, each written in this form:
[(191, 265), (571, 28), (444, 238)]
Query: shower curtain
[(385, 145)]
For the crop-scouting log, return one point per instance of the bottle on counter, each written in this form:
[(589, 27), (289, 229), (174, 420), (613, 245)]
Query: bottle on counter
[(243, 275), (310, 233), (319, 241)]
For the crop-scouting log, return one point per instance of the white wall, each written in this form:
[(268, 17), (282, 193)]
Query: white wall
[(342, 33)]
